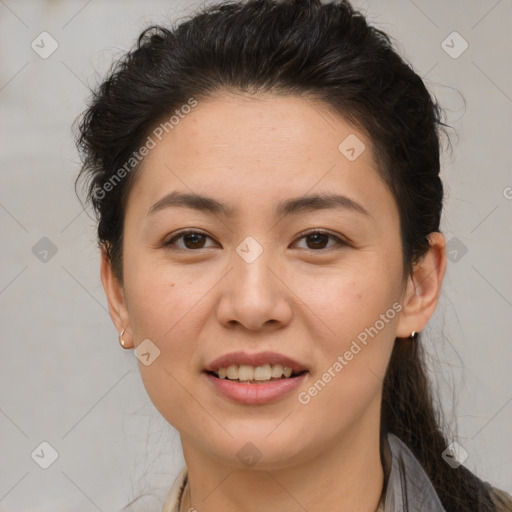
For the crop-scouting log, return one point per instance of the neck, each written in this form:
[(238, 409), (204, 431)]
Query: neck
[(346, 475)]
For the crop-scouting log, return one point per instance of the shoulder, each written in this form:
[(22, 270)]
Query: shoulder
[(172, 502), (501, 499)]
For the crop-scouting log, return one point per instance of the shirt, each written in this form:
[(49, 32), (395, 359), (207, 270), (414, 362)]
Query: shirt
[(406, 485)]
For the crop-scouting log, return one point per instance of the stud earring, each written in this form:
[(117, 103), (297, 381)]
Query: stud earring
[(413, 334)]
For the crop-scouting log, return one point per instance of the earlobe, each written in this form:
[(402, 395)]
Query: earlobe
[(116, 302), (423, 288)]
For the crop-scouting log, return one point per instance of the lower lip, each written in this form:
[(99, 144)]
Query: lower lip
[(247, 393)]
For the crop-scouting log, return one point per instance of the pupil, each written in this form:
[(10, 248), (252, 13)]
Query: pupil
[(317, 239), (194, 238)]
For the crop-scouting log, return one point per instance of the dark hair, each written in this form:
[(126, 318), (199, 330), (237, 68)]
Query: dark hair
[(327, 53)]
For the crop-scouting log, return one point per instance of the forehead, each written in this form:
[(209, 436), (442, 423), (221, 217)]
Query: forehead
[(264, 126), (259, 147)]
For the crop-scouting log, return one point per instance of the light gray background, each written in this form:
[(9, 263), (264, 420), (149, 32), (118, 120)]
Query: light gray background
[(65, 380)]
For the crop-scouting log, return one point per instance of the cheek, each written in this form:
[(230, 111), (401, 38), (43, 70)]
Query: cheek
[(349, 375), (356, 314), (161, 298), (349, 300), (164, 306)]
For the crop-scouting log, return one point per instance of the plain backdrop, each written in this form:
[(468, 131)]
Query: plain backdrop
[(65, 381)]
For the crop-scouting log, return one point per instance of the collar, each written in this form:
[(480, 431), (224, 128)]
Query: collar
[(407, 485)]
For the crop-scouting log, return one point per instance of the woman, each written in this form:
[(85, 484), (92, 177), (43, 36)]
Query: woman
[(266, 179)]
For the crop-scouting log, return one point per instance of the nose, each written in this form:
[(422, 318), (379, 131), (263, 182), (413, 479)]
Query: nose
[(254, 294)]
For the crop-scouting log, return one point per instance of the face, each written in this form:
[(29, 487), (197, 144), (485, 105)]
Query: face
[(263, 272)]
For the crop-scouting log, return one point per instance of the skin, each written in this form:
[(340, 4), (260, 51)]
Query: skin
[(302, 297)]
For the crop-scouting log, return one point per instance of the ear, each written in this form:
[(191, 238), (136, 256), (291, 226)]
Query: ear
[(115, 298), (423, 288)]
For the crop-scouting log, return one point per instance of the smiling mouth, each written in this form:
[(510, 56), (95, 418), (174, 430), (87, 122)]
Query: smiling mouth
[(255, 374)]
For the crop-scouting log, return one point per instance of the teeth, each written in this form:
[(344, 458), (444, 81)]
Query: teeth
[(232, 372), (245, 373), (277, 371), (263, 372)]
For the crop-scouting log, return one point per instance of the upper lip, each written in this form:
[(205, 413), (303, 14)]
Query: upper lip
[(258, 359)]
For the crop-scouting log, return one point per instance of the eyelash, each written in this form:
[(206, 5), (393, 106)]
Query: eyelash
[(170, 243)]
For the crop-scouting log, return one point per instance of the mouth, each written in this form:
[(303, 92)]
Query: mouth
[(261, 378)]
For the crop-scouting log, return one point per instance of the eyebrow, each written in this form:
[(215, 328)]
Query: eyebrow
[(284, 208)]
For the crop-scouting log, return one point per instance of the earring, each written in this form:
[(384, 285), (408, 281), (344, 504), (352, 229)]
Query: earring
[(413, 334), (121, 338)]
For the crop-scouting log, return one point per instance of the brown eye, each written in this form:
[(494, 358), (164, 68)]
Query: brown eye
[(317, 240), (194, 240), (191, 240)]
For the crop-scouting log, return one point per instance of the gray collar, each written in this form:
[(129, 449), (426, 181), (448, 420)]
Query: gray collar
[(408, 487)]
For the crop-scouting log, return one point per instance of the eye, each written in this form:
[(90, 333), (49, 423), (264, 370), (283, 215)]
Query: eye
[(192, 240), (318, 239)]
